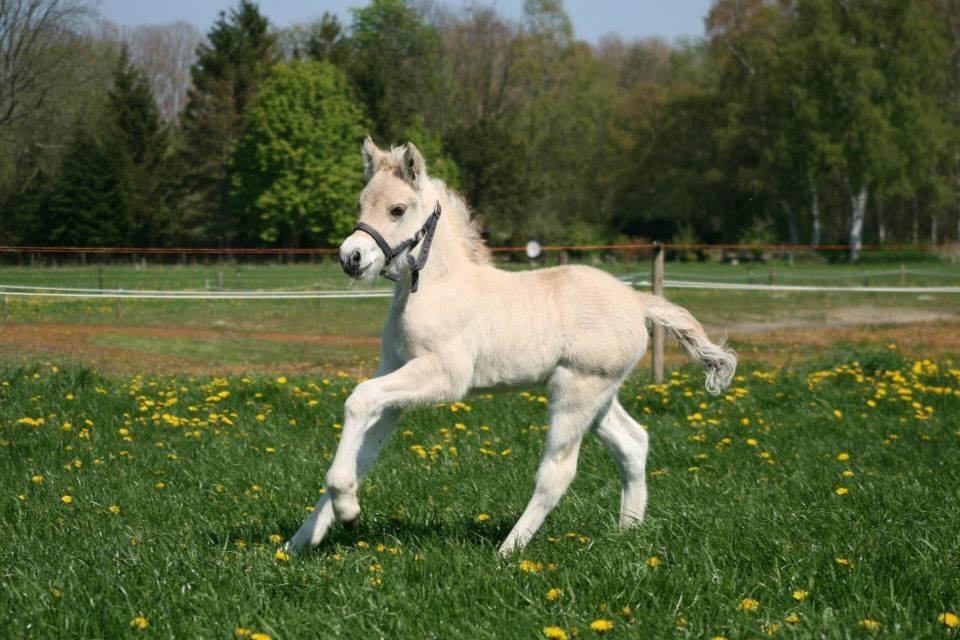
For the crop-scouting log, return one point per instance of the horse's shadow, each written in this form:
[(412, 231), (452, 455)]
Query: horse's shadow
[(388, 531)]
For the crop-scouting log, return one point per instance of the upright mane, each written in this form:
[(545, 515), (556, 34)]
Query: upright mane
[(455, 208)]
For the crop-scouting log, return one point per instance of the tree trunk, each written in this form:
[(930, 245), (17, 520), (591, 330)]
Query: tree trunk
[(815, 214), (858, 205), (933, 229), (916, 221), (791, 221), (881, 226)]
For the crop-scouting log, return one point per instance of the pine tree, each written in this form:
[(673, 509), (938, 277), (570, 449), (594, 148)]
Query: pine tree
[(138, 127), (226, 76)]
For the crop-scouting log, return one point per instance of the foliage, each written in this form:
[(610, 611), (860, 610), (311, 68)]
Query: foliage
[(295, 172), (228, 70)]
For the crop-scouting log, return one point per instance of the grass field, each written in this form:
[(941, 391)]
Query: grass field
[(817, 500)]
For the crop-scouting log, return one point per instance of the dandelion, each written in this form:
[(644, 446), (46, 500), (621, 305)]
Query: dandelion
[(949, 619), (602, 625), (869, 625), (256, 635), (843, 457), (838, 413), (276, 538), (800, 595), (114, 509), (67, 499), (281, 556), (842, 491), (282, 380), (241, 632), (482, 517), (752, 442), (555, 633), (37, 479), (771, 628), (654, 561), (843, 562), (529, 566), (847, 473), (553, 594), (748, 605), (140, 623), (160, 485), (793, 618)]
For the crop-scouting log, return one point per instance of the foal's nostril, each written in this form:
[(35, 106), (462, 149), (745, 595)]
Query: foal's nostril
[(355, 257)]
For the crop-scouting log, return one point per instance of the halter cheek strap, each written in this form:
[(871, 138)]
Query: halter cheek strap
[(390, 253)]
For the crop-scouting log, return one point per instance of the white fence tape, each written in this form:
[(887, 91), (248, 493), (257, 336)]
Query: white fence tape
[(135, 294)]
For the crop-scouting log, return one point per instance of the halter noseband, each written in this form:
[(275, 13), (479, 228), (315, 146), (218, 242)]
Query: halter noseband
[(390, 253)]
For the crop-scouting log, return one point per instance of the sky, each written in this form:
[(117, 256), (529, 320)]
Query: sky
[(592, 19)]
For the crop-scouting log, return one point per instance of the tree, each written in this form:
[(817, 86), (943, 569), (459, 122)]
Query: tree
[(33, 52), (226, 76), (140, 131), (392, 63), (297, 173)]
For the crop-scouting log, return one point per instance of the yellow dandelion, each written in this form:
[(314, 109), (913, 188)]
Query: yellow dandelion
[(771, 628), (553, 594), (869, 625), (842, 491), (241, 632), (276, 538), (530, 566), (843, 457), (281, 556), (482, 517), (140, 623), (256, 635), (793, 618), (752, 442), (114, 509), (949, 619), (282, 380), (654, 561), (800, 595), (67, 499), (602, 625), (555, 633), (748, 605), (847, 473), (843, 562), (838, 413), (37, 479)]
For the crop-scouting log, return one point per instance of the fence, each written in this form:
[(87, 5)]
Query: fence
[(767, 279)]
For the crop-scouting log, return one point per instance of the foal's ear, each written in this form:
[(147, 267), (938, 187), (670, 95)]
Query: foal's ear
[(413, 167), (371, 158)]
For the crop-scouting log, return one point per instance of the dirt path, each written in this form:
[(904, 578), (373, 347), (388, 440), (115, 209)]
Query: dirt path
[(776, 344)]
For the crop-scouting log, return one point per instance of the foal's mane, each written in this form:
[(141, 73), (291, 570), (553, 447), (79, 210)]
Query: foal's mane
[(455, 210)]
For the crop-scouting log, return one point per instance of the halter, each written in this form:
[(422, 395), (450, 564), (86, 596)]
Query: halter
[(390, 253)]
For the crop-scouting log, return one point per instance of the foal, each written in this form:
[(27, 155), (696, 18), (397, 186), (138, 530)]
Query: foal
[(457, 323)]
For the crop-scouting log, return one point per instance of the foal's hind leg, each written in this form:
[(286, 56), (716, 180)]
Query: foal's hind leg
[(627, 442), (574, 405)]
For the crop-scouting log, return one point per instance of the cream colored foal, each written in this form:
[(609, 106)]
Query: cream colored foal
[(457, 323)]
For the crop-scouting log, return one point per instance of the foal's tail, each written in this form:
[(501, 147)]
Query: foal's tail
[(720, 362)]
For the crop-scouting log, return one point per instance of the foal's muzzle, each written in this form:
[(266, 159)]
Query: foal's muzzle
[(350, 263)]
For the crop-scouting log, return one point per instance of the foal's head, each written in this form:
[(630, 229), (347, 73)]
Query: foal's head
[(390, 203)]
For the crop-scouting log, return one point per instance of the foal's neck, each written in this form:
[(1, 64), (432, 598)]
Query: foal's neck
[(448, 254)]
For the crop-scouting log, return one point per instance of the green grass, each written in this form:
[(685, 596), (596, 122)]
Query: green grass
[(743, 504)]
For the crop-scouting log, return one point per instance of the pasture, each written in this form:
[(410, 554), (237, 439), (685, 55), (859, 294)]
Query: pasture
[(154, 456), (812, 501)]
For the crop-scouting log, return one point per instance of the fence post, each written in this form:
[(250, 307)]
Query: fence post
[(656, 281), (220, 280)]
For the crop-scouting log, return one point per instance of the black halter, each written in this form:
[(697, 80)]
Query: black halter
[(390, 253)]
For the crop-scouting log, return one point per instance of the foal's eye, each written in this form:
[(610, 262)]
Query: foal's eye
[(398, 211)]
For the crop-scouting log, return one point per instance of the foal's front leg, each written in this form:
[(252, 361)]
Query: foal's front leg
[(421, 381), (316, 526)]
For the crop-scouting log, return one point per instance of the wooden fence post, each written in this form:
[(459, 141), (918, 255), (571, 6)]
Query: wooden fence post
[(656, 281)]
